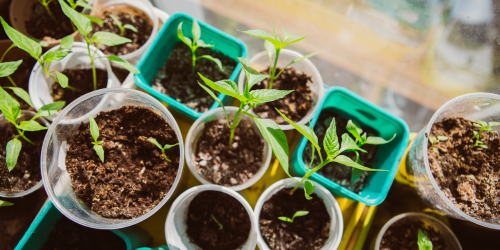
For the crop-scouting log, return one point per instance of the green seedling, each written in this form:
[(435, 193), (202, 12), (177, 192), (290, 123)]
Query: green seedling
[(121, 26), (216, 221), (297, 214), (94, 131), (433, 140), (274, 44), (5, 203), (45, 4), (483, 126), (162, 148), (423, 242), (195, 43)]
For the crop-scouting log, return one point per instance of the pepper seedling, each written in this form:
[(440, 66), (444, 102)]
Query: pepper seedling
[(162, 148), (5, 203), (433, 140), (484, 126), (216, 221), (195, 43), (45, 4), (121, 26), (273, 45), (423, 242), (297, 214), (94, 131)]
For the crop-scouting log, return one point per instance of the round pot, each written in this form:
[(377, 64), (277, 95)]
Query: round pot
[(261, 61), (333, 208), (448, 235), (175, 226), (482, 106), (55, 177), (25, 115), (196, 131)]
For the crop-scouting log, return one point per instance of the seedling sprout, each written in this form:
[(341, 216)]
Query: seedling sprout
[(121, 26), (423, 242), (5, 203), (484, 126), (94, 131), (433, 140), (216, 221), (297, 214), (45, 4), (162, 148)]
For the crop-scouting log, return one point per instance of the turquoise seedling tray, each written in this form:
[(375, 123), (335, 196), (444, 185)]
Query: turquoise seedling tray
[(364, 113), (46, 219), (156, 56)]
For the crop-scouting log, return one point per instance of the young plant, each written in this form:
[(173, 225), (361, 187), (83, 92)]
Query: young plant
[(297, 214), (216, 221), (484, 126), (121, 26), (45, 4), (84, 4), (94, 131), (196, 43), (273, 45), (167, 146), (433, 140), (5, 203), (423, 242)]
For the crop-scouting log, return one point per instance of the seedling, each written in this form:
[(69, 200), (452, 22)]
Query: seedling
[(5, 203), (94, 131), (273, 44), (423, 242), (297, 214), (121, 26), (216, 221), (196, 43), (85, 4), (45, 4), (433, 140), (484, 126), (167, 146)]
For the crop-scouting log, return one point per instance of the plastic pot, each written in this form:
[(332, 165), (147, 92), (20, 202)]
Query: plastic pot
[(333, 208), (448, 235), (261, 62), (352, 106), (481, 106), (159, 51), (55, 177), (175, 226), (196, 131)]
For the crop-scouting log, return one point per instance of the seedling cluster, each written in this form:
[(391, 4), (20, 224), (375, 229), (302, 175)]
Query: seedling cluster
[(483, 126)]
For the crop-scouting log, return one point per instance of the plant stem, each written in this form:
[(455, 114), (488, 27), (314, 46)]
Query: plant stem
[(306, 176), (46, 5), (271, 75), (6, 51), (236, 120), (11, 81), (193, 51), (92, 62), (21, 133)]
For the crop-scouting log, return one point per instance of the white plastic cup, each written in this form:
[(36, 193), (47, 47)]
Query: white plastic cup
[(55, 177), (333, 208), (261, 61), (196, 131), (25, 115), (175, 225), (448, 235), (481, 106)]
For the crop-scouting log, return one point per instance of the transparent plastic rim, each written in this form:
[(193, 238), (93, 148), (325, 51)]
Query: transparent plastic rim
[(128, 222), (426, 158)]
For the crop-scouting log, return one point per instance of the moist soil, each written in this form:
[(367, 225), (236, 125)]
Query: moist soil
[(295, 105), (81, 79), (143, 25), (403, 234), (71, 236), (336, 172), (228, 166), (134, 177), (42, 26), (309, 232), (467, 176), (176, 80), (21, 76), (204, 231)]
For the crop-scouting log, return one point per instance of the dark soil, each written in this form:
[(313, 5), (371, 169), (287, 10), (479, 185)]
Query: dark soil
[(467, 176), (229, 166), (41, 26), (204, 231), (21, 76), (309, 232), (71, 236), (120, 73), (295, 105), (175, 79), (336, 172), (26, 173), (141, 22), (403, 234), (134, 177), (81, 79)]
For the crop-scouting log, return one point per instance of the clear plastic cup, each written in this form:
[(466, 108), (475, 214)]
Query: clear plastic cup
[(429, 221), (332, 206), (55, 177), (261, 62), (482, 106), (25, 115), (175, 225), (196, 131)]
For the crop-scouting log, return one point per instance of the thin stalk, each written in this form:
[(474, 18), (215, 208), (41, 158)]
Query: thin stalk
[(193, 52), (236, 121), (11, 81), (5, 53), (306, 176), (21, 133), (271, 74), (46, 5), (92, 62)]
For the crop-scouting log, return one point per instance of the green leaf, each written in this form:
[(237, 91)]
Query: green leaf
[(31, 125), (442, 137), (287, 35), (130, 27), (344, 160), (67, 42), (356, 173), (62, 79), (50, 109), (21, 41), (493, 124), (196, 31), (264, 35), (331, 141), (294, 41), (215, 60), (81, 22), (353, 129), (276, 139), (168, 146), (482, 123), (373, 140), (94, 129), (116, 21), (109, 39), (7, 68), (181, 36), (9, 107), (299, 214), (155, 142), (202, 44), (349, 144), (296, 60), (100, 152), (85, 5), (54, 55), (22, 94), (308, 189), (93, 19), (226, 87), (285, 219), (261, 96), (252, 75), (305, 131), (124, 63), (423, 242), (5, 203), (13, 150), (270, 49)]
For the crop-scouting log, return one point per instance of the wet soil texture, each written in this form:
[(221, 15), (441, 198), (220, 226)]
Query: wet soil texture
[(43, 27)]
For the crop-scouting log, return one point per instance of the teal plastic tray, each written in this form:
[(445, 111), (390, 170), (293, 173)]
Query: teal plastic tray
[(364, 113), (156, 56), (46, 219)]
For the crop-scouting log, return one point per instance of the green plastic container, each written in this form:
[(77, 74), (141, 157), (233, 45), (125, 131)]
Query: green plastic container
[(352, 106), (46, 219), (156, 56)]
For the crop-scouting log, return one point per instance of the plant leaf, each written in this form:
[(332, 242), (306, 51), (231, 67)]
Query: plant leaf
[(124, 63), (252, 75), (215, 60), (349, 144), (62, 79), (155, 142), (299, 214), (109, 39), (493, 124), (5, 203), (264, 35), (226, 87), (285, 219), (67, 42), (7, 68), (216, 99), (344, 160), (294, 41), (202, 44), (308, 189), (9, 107), (353, 129), (93, 19), (50, 109), (442, 137), (276, 139), (270, 49), (331, 141), (54, 55), (13, 150), (261, 96), (287, 35), (356, 173), (423, 242), (373, 140), (85, 5), (21, 41), (22, 94), (181, 36), (94, 129), (81, 22), (116, 21), (196, 31), (31, 125), (168, 146), (305, 131), (100, 152), (130, 27), (482, 123)]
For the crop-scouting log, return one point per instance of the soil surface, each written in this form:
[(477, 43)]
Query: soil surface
[(176, 80), (134, 177), (309, 232), (42, 26), (142, 24), (81, 79), (403, 235), (468, 176), (295, 105), (336, 172), (69, 235), (204, 231), (229, 166), (21, 76)]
